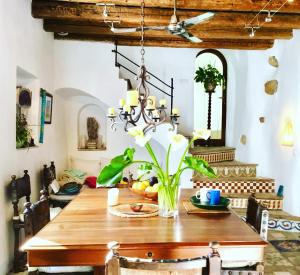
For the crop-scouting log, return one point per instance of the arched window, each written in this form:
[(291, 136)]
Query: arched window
[(215, 118)]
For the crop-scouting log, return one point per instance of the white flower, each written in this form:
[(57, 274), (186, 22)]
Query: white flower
[(177, 141), (136, 131), (140, 138), (202, 133)]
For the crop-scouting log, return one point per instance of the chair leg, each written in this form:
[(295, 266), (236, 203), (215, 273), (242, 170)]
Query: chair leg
[(19, 263)]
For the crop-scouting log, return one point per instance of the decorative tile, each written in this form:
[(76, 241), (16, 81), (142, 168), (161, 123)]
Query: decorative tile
[(238, 185)]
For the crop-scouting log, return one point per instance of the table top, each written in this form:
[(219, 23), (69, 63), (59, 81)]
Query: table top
[(86, 223)]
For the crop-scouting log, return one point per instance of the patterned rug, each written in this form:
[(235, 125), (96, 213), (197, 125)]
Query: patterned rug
[(286, 245), (282, 254)]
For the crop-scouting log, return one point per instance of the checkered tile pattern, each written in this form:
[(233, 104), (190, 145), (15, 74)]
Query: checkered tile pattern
[(217, 157), (242, 203), (238, 186)]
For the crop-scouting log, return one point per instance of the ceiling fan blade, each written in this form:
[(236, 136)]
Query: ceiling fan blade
[(129, 30), (197, 19), (190, 37), (123, 30)]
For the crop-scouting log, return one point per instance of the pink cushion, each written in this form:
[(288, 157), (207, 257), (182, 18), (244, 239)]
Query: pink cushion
[(91, 182)]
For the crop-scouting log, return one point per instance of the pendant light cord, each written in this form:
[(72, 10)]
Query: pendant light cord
[(142, 32)]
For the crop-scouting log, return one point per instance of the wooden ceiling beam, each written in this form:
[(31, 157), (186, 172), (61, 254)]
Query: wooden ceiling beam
[(209, 43), (222, 5), (206, 33), (129, 16)]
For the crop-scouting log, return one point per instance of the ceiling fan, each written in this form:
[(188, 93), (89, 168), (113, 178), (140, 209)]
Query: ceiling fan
[(175, 27)]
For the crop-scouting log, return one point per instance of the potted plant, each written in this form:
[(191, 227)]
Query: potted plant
[(23, 135), (168, 187), (210, 77)]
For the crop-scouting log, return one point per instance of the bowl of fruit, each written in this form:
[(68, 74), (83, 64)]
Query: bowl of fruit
[(146, 188)]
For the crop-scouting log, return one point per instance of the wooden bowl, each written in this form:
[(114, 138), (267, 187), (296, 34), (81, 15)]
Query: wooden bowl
[(136, 207), (147, 195)]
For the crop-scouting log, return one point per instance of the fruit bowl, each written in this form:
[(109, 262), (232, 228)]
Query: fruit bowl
[(147, 195)]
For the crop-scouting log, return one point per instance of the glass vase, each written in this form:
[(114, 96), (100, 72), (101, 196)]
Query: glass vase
[(168, 196)]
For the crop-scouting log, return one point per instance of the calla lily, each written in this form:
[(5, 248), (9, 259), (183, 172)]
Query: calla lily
[(177, 141), (136, 131), (202, 133), (140, 138)]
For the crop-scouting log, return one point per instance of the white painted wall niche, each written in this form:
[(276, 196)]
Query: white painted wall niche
[(95, 111)]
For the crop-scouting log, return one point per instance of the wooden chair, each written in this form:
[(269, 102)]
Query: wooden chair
[(19, 188), (48, 176), (257, 216), (118, 265), (36, 216)]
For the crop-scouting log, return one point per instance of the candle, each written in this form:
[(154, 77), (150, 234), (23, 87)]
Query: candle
[(132, 98), (113, 197), (122, 102), (126, 108), (111, 112), (155, 114), (162, 102), (151, 103), (175, 112)]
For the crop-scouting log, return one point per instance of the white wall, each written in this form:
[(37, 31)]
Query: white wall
[(263, 140), (23, 43)]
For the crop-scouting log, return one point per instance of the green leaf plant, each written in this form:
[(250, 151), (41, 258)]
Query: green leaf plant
[(111, 174), (209, 75)]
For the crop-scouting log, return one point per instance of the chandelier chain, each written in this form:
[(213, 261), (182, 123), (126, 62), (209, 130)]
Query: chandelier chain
[(142, 32)]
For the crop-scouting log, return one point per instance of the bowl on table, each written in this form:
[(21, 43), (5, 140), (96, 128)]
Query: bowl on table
[(147, 195)]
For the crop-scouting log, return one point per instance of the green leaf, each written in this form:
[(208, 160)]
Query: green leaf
[(112, 173), (199, 165), (144, 169)]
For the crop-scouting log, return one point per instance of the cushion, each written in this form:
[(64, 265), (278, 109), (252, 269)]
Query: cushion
[(91, 182), (62, 197), (65, 269)]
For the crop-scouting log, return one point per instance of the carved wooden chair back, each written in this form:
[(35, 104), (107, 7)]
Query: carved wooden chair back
[(19, 188), (48, 175), (36, 215), (118, 265), (257, 216)]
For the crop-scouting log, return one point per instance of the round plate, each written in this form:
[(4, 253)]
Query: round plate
[(124, 210), (224, 202)]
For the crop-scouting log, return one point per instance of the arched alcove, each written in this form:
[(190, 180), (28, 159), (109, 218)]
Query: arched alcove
[(91, 125), (216, 120)]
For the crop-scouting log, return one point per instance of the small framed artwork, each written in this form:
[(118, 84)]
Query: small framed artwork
[(48, 108)]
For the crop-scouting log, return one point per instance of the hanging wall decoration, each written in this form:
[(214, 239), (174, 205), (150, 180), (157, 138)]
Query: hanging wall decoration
[(48, 108), (43, 108)]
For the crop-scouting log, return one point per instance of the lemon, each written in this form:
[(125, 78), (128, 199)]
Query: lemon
[(141, 186), (146, 182), (155, 187), (135, 185), (149, 189)]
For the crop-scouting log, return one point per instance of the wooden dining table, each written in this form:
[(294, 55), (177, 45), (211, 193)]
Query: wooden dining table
[(79, 235)]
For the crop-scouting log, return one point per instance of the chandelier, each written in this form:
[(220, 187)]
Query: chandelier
[(139, 108)]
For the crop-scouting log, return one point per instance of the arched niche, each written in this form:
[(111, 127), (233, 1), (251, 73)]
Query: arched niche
[(218, 100), (86, 141)]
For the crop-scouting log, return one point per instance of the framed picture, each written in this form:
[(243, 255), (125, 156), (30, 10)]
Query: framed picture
[(48, 108)]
